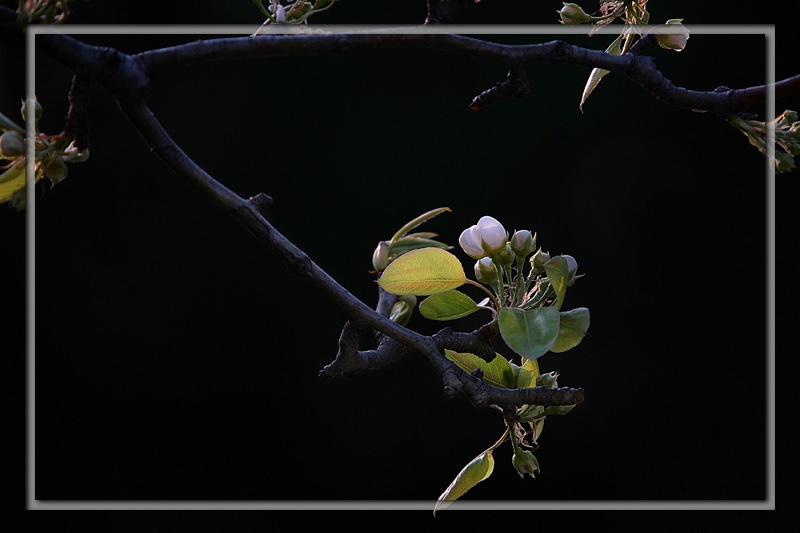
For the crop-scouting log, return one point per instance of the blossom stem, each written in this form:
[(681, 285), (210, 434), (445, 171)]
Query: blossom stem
[(484, 289)]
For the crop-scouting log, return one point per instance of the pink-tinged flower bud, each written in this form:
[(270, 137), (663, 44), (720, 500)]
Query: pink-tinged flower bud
[(523, 243), (573, 14), (486, 238)]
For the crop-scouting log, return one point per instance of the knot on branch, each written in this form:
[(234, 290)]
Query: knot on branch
[(260, 201), (558, 52), (122, 75)]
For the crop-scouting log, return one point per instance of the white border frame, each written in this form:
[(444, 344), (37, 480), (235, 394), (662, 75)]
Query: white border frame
[(30, 497)]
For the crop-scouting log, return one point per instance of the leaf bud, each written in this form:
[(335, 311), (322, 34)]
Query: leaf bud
[(402, 309), (12, 144)]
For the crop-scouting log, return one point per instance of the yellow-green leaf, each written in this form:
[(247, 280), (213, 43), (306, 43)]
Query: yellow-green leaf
[(498, 372), (476, 471), (12, 180), (423, 272), (528, 373)]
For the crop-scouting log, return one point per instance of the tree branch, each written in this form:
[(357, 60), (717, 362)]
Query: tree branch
[(640, 69), (128, 77)]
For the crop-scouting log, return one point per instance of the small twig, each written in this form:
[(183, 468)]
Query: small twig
[(516, 85), (78, 114)]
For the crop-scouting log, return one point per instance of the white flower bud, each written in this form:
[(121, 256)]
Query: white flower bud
[(674, 41), (488, 237), (486, 270), (280, 14), (380, 257), (523, 243)]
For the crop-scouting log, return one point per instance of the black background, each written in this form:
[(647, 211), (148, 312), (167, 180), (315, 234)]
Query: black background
[(176, 359)]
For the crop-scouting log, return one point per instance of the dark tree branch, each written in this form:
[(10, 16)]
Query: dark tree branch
[(360, 316), (128, 77), (641, 69)]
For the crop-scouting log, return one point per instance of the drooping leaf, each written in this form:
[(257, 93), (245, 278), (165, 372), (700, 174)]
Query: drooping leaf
[(423, 272), (498, 372), (597, 73), (557, 270), (531, 332), (448, 305), (476, 471), (572, 328)]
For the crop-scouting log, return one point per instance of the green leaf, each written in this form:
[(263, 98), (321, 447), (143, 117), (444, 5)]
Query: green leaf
[(572, 329), (476, 471), (499, 372), (557, 270), (530, 332), (417, 221), (597, 74), (448, 305), (528, 373), (423, 272), (406, 244)]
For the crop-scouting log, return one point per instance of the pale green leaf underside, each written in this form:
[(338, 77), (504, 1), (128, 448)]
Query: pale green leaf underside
[(476, 471)]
